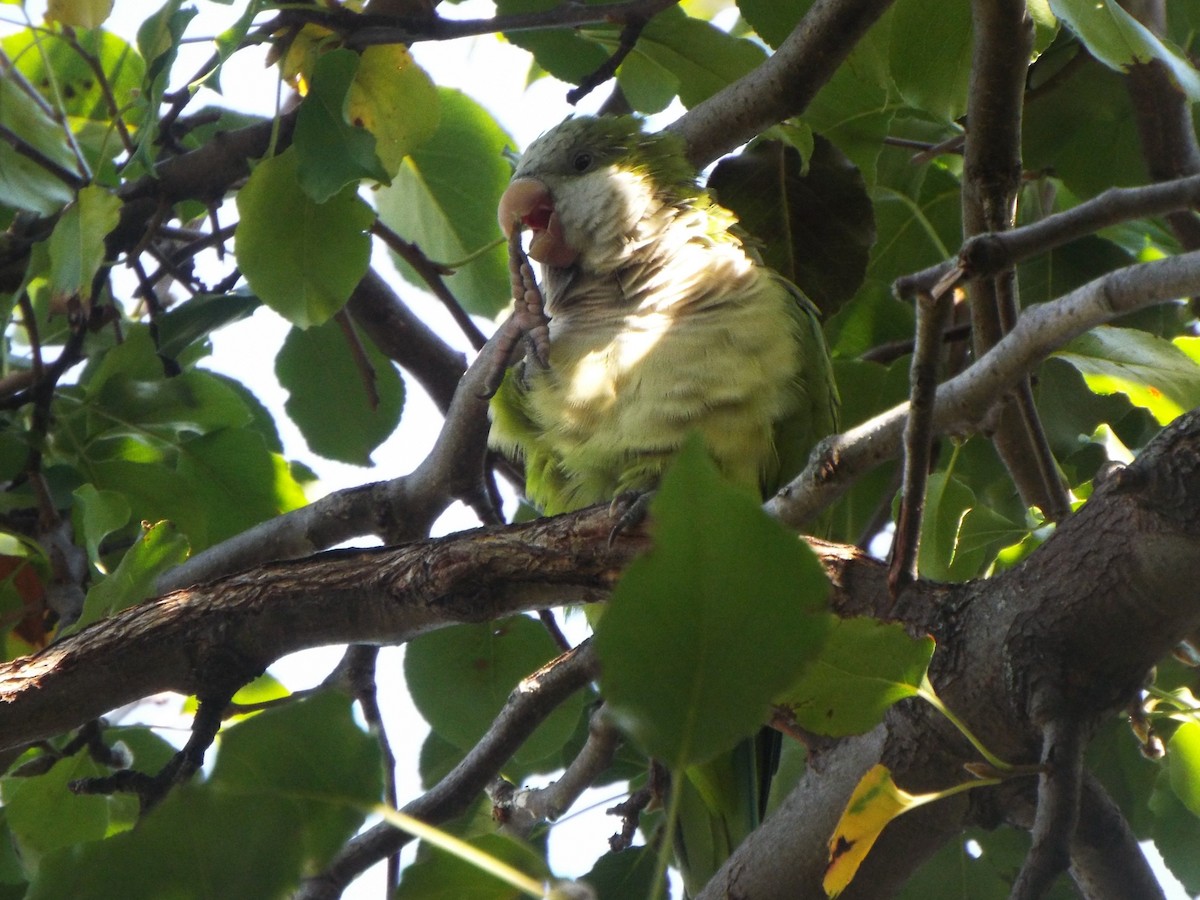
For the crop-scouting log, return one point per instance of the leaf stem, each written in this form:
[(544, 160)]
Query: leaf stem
[(926, 692)]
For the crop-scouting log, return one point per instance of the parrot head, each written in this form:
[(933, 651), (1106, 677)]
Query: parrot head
[(591, 190)]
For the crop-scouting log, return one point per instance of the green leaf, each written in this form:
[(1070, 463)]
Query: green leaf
[(854, 113), (563, 52), (1155, 374), (241, 482), (23, 183), (1085, 132), (1183, 764), (395, 100), (773, 20), (701, 57), (627, 873), (446, 195), (931, 56), (438, 874), (328, 395), (1176, 834), (97, 514), (159, 548), (863, 668), (68, 81), (79, 13), (77, 243), (154, 493), (44, 814), (460, 678), (197, 318), (332, 153), (816, 221), (705, 630), (303, 259), (305, 771), (195, 401), (1120, 41)]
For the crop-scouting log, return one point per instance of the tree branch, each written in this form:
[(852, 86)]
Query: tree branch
[(184, 640), (963, 401), (986, 254), (781, 87)]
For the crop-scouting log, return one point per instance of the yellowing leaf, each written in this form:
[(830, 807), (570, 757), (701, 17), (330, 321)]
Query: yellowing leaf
[(875, 802), (394, 99), (301, 56), (79, 13)]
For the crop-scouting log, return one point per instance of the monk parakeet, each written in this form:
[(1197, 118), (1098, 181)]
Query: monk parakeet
[(661, 323)]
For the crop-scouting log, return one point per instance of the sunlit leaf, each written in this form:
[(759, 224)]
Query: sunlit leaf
[(1120, 41), (1183, 764), (447, 192), (395, 100), (1155, 374), (874, 803), (301, 258), (331, 152), (79, 13)]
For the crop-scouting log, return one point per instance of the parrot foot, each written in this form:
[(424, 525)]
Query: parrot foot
[(629, 508), (529, 310)]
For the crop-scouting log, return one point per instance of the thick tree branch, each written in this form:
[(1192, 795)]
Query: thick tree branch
[(1086, 615), (781, 87), (243, 623)]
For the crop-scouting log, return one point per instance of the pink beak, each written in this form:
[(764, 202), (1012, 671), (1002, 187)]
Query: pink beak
[(527, 204)]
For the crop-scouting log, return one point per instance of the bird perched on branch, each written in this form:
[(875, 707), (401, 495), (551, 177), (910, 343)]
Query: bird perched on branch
[(660, 323)]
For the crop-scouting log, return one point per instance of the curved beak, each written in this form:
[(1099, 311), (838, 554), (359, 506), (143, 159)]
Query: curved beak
[(527, 203)]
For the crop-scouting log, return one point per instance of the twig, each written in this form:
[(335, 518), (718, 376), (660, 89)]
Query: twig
[(366, 371), (364, 29), (532, 806), (432, 274), (153, 789), (1057, 810), (66, 176), (634, 26), (932, 314), (986, 254)]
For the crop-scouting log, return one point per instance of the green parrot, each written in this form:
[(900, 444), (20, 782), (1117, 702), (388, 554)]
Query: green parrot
[(661, 323)]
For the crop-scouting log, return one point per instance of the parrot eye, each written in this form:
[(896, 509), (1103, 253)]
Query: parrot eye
[(582, 161)]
